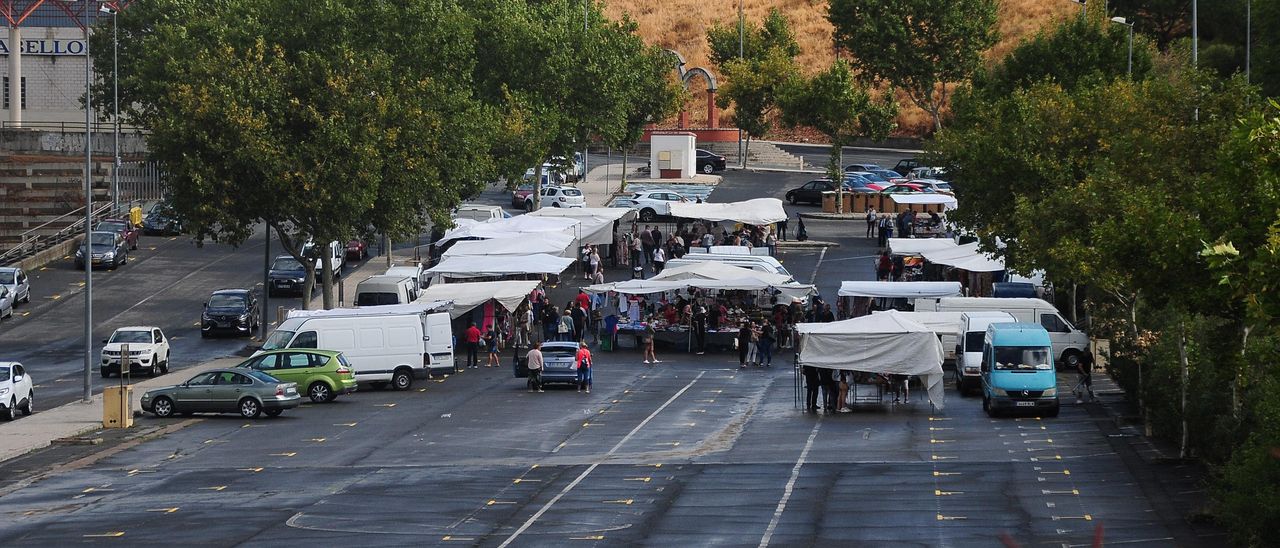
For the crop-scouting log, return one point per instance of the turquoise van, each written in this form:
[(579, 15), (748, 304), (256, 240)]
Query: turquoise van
[(1017, 370)]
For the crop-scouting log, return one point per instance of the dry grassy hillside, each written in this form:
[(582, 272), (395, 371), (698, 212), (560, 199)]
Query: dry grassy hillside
[(682, 25)]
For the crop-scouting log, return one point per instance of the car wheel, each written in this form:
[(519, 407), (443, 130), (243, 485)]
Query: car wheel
[(274, 412), (250, 408), (27, 299), (986, 404), (204, 334), (1053, 412), (791, 198), (528, 205), (1071, 359), (555, 204), (11, 412), (647, 214), (30, 407), (164, 366), (401, 380), (162, 407), (708, 169), (320, 392)]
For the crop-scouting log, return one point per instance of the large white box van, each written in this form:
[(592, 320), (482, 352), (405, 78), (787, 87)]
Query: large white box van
[(973, 327), (386, 289), (385, 344), (1069, 343)]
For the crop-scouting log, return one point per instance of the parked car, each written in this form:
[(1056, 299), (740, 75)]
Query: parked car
[(903, 188), (148, 351), (857, 183), (357, 250), (655, 203), (18, 283), (558, 364), (925, 172), (873, 177), (520, 195), (862, 167), (161, 222), (559, 196), (287, 276), (230, 311), (709, 162), (904, 167), (105, 249), (17, 392), (811, 192), (324, 373), (890, 175), (337, 257), (7, 302), (552, 175), (124, 228), (932, 185), (242, 391)]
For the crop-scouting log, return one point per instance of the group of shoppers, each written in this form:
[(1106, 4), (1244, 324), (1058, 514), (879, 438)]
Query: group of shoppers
[(582, 363)]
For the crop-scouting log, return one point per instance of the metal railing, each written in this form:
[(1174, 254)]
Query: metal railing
[(33, 241), (70, 127)]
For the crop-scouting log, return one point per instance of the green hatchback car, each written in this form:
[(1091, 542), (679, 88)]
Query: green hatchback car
[(322, 373)]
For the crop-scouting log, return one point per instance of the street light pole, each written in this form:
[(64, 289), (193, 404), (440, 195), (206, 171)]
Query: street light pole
[(1248, 40), (115, 115), (1195, 34), (88, 211), (742, 154), (1129, 24)]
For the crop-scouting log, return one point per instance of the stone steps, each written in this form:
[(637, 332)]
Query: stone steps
[(759, 153)]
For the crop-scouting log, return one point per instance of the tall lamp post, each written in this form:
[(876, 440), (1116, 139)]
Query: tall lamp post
[(88, 209), (742, 31), (1129, 24), (115, 101)]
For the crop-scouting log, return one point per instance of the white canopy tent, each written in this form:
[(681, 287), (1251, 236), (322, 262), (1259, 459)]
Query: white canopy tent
[(888, 343), (473, 267), (707, 275), (466, 296), (904, 290), (941, 323), (514, 227), (917, 246), (558, 244), (420, 306), (760, 211), (596, 222), (965, 257), (947, 201)]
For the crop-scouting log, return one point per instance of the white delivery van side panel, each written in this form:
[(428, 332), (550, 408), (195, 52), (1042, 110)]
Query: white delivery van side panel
[(1068, 342), (439, 348), (375, 345)]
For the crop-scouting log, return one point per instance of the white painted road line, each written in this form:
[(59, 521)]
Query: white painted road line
[(791, 485), (529, 522)]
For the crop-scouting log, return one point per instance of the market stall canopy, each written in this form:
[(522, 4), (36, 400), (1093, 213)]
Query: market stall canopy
[(903, 290), (888, 343), (965, 257), (514, 227), (708, 275), (466, 296), (420, 306), (941, 323), (550, 243), (645, 287), (472, 267), (760, 211), (947, 201), (713, 270), (596, 222), (917, 246)]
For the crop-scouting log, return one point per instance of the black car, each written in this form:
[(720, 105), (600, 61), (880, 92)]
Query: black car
[(904, 167), (230, 311), (287, 276), (709, 162), (811, 191), (106, 249), (162, 222)]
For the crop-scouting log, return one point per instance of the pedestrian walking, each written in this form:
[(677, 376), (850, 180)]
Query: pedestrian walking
[(699, 327), (764, 345), (812, 382), (646, 242), (582, 362), (550, 319), (884, 266), (491, 346), (534, 358), (579, 323), (830, 389), (782, 230), (801, 233), (593, 259), (744, 343), (564, 329), (659, 260), (649, 334), (473, 346)]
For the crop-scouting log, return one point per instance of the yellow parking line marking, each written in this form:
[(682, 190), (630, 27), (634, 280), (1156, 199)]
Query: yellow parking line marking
[(699, 410), (151, 248), (97, 490), (940, 441), (254, 470), (941, 493), (213, 441), (317, 440), (940, 457), (80, 284), (592, 537), (939, 418), (671, 443), (620, 501), (940, 474), (386, 405), (1064, 472), (346, 424), (25, 314), (705, 401), (289, 454), (64, 380), (940, 428), (54, 296), (173, 238), (196, 324), (586, 424), (422, 389), (1085, 517), (110, 534), (164, 510), (451, 537), (645, 479), (251, 425), (950, 518), (214, 488), (1052, 492), (522, 480), (1038, 459), (493, 502), (43, 268)]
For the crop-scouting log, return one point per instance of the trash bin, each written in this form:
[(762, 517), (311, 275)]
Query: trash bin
[(117, 407), (135, 216)]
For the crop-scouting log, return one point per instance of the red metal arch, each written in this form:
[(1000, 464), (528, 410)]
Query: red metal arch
[(15, 12)]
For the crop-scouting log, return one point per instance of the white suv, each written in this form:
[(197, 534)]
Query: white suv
[(16, 391), (148, 351), (19, 285), (559, 196), (654, 203)]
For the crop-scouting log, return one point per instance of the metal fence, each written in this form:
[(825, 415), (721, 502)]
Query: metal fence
[(141, 182)]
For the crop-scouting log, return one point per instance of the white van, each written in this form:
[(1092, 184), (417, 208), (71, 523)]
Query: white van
[(973, 327), (385, 344), (758, 263), (1069, 343), (386, 289), (337, 254), (480, 212), (416, 272)]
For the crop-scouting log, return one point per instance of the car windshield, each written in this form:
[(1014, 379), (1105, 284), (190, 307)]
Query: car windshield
[(1021, 358), (111, 226), (286, 263), (226, 301), (278, 339), (6, 277), (131, 337), (104, 238), (571, 192), (4, 374), (973, 341)]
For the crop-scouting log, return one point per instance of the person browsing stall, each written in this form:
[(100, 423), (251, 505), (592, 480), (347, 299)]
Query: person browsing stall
[(582, 362)]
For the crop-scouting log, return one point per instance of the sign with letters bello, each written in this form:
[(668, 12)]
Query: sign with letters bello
[(46, 46)]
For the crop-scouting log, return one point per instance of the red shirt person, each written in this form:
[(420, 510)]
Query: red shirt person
[(472, 338)]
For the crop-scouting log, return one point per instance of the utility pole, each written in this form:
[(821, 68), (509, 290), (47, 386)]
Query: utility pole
[(583, 178), (266, 280), (1248, 39), (742, 154), (88, 210)]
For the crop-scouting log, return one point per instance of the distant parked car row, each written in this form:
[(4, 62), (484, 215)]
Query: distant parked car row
[(15, 288)]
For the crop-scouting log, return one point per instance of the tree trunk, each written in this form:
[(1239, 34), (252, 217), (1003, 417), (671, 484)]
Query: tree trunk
[(1185, 374), (835, 172), (622, 187), (308, 284), (537, 187), (326, 277), (1235, 382), (1073, 305), (1133, 327), (746, 151)]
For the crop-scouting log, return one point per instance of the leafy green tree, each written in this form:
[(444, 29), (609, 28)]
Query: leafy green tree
[(757, 41), (753, 89), (918, 46), (1165, 20), (837, 105)]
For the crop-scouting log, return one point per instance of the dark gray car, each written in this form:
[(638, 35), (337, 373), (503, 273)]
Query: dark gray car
[(287, 276), (106, 249), (242, 391), (232, 311)]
